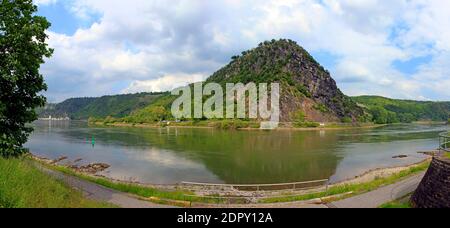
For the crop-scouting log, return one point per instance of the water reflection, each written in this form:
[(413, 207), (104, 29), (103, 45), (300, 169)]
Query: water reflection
[(167, 156)]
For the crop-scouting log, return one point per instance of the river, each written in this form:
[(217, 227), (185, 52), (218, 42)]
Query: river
[(169, 156)]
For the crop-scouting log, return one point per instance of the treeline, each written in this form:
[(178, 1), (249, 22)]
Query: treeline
[(117, 106), (386, 111)]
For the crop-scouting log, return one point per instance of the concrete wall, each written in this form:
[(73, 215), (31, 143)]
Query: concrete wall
[(434, 191)]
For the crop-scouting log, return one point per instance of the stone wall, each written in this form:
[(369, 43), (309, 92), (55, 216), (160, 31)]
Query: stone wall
[(434, 191)]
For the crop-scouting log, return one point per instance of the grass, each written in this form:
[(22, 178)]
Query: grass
[(22, 185), (152, 194), (447, 155), (396, 204), (180, 198), (405, 202), (354, 189)]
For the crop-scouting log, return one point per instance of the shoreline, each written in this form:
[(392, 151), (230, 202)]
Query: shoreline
[(380, 173), (156, 126), (223, 191)]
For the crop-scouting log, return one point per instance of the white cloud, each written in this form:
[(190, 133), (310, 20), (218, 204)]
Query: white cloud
[(146, 45), (165, 83), (45, 2)]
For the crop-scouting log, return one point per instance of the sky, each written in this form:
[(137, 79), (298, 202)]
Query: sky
[(396, 48)]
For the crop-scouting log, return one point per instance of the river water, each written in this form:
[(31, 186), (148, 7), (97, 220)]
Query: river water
[(169, 156)]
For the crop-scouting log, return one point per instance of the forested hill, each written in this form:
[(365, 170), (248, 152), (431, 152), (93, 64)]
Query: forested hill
[(117, 106), (308, 92), (385, 110), (307, 88)]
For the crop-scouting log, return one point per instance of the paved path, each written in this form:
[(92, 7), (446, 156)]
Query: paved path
[(382, 195), (372, 199), (100, 193)]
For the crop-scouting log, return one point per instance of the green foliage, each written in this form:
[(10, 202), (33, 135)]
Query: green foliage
[(298, 116), (150, 114), (265, 64), (306, 125), (159, 110), (234, 124), (321, 108), (10, 147), (385, 110), (118, 106), (347, 120), (22, 185), (22, 50), (380, 115), (396, 205), (304, 90), (299, 119)]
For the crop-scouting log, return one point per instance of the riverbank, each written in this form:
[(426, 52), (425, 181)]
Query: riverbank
[(178, 196), (367, 182), (23, 185), (239, 125)]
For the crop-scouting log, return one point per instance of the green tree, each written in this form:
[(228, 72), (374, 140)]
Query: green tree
[(392, 117), (22, 50), (380, 115)]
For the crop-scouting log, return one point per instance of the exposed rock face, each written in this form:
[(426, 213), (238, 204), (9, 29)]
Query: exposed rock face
[(434, 191), (306, 86)]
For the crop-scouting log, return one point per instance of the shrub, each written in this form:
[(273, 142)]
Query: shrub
[(298, 116), (347, 120), (306, 125), (321, 108)]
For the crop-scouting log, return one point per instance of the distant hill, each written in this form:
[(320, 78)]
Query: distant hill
[(308, 91), (117, 106), (385, 110)]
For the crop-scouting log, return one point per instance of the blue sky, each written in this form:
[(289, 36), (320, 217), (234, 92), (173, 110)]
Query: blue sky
[(400, 49)]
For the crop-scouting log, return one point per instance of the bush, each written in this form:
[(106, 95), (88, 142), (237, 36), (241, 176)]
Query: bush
[(233, 124), (298, 116), (306, 125), (347, 120), (321, 108), (304, 91)]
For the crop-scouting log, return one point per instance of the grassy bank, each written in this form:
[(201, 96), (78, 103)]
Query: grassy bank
[(397, 204), (353, 189), (405, 202), (22, 185)]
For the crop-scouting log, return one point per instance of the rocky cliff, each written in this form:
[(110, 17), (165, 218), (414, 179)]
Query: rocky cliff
[(307, 88)]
